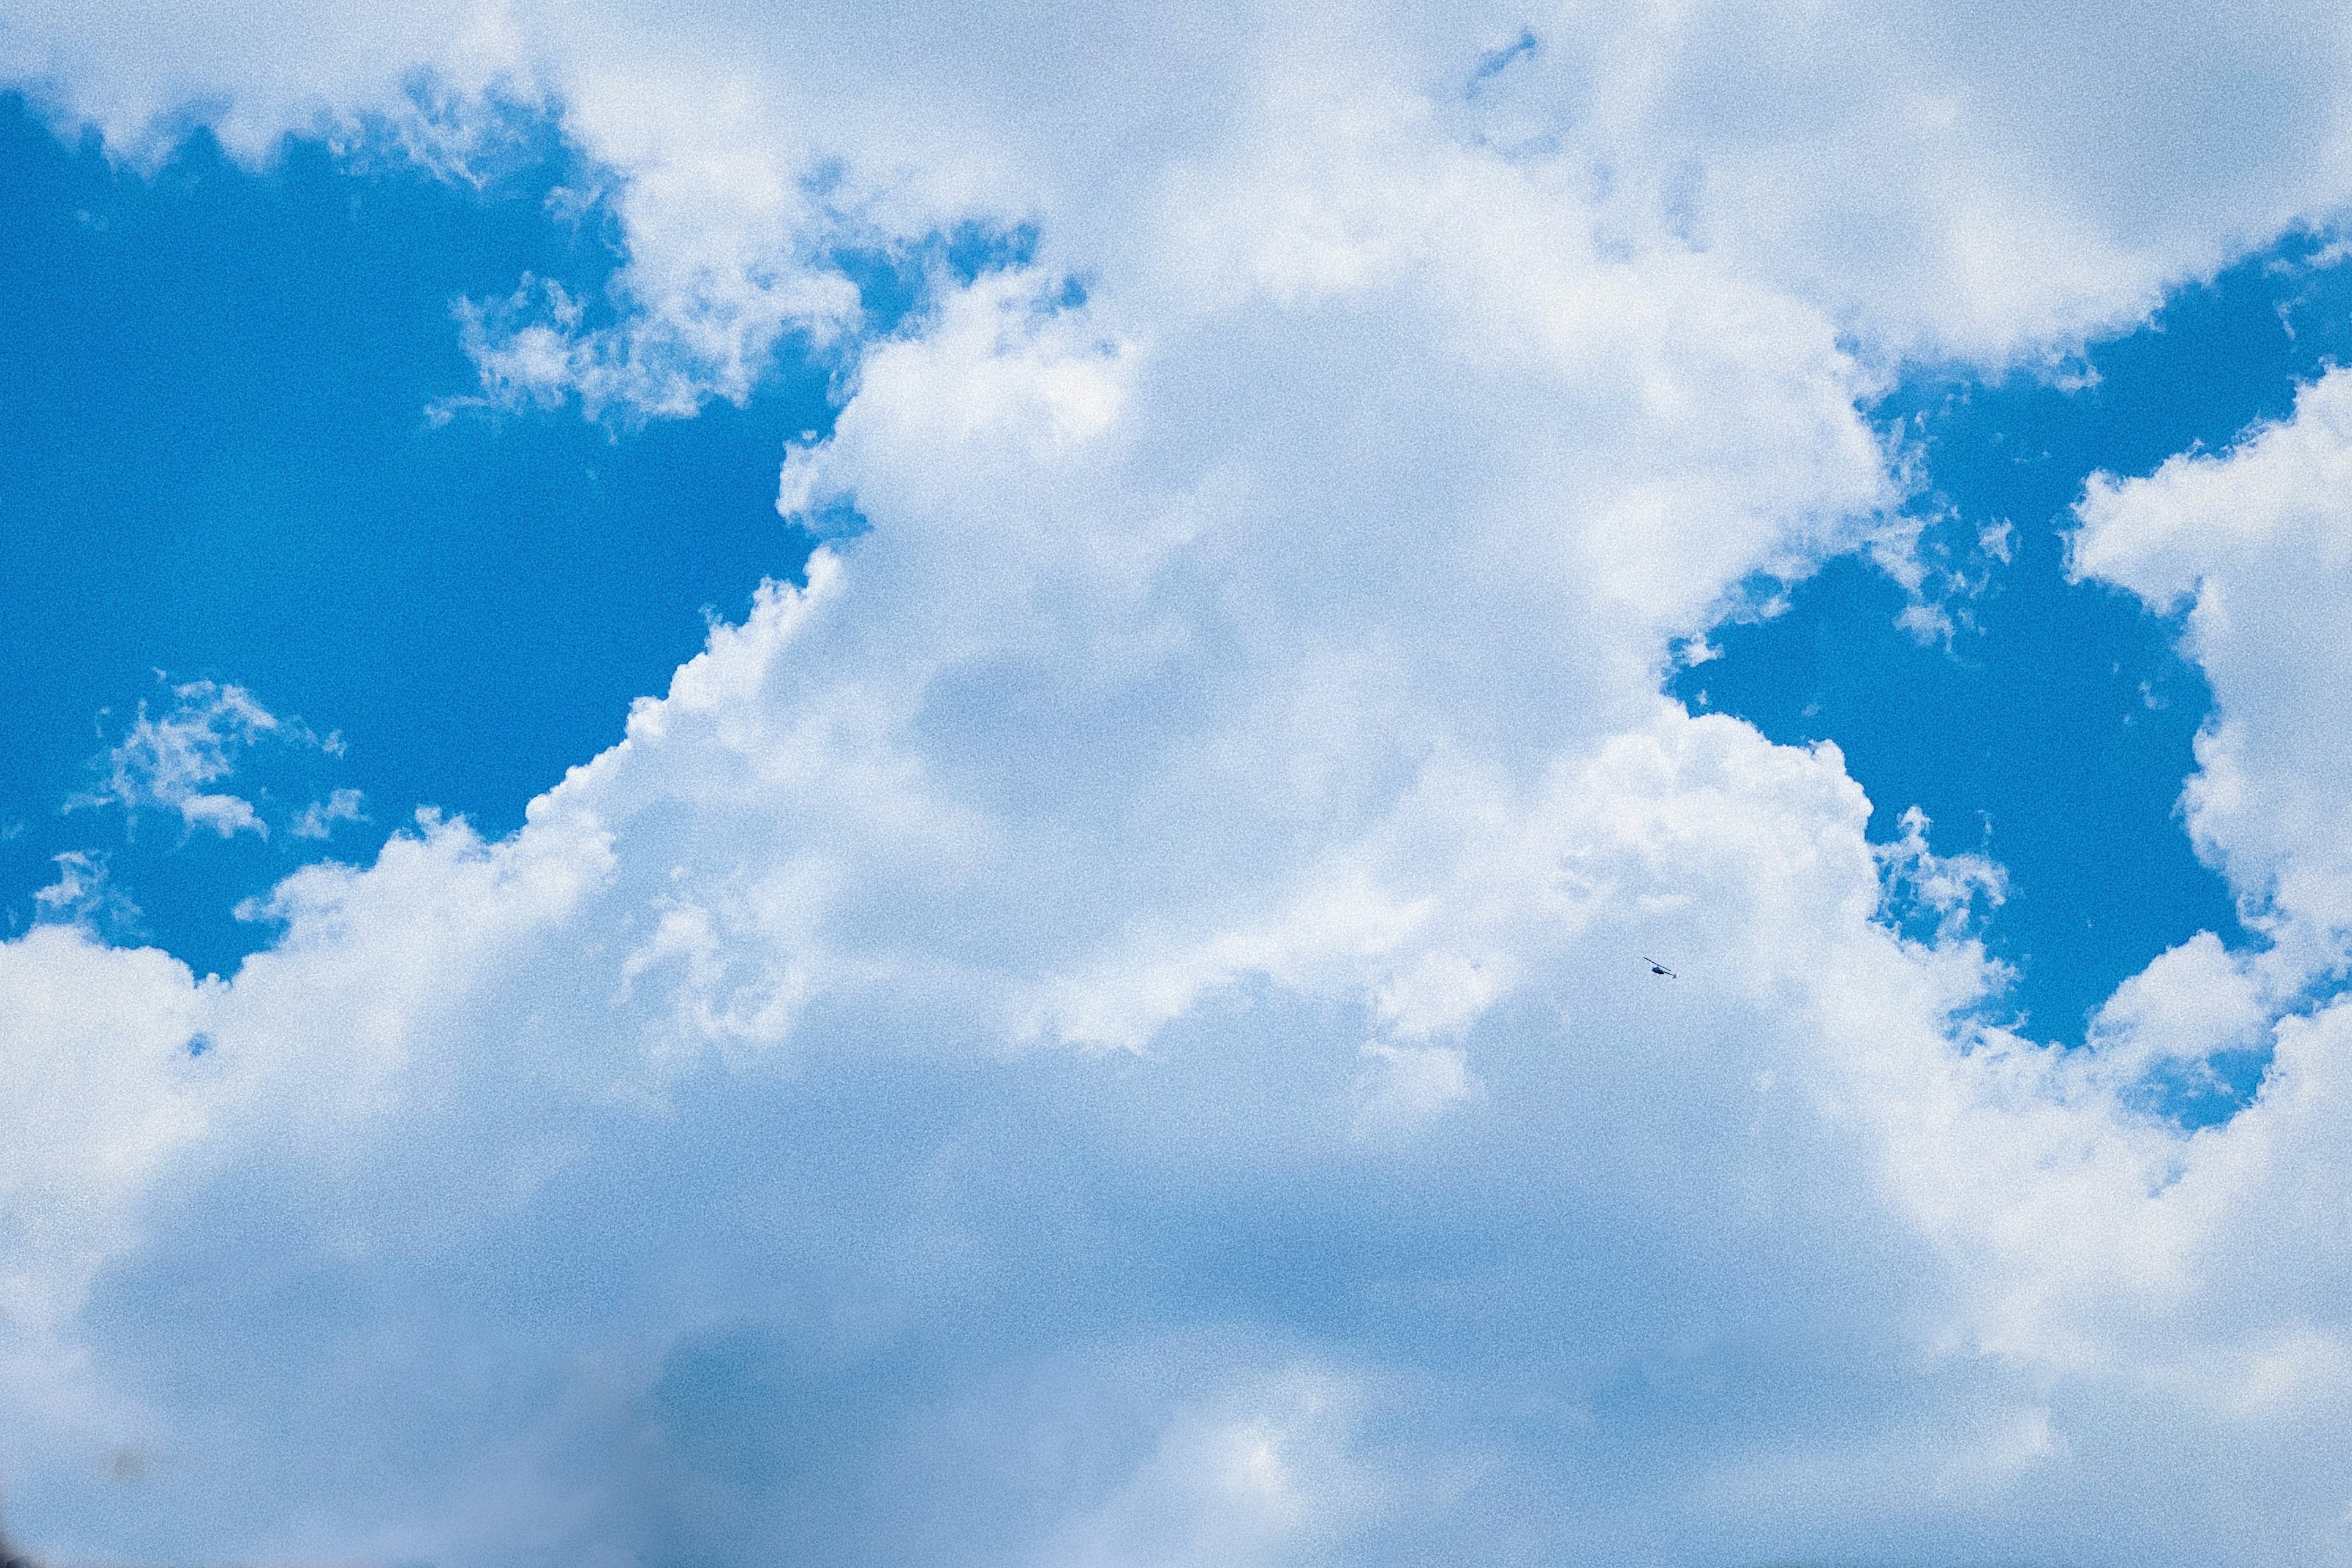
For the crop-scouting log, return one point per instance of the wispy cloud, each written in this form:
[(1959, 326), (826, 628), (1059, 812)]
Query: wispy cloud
[(173, 761), (318, 819), (85, 894)]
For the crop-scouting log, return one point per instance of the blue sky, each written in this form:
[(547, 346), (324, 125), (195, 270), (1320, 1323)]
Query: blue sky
[(2051, 728), (787, 790), (221, 467)]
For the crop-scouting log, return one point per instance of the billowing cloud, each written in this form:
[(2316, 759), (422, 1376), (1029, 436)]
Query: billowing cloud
[(2254, 546), (1107, 1026)]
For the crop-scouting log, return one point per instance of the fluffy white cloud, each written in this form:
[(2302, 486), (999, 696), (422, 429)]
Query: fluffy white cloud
[(1108, 1027), (102, 1088), (1983, 180), (2255, 545), (1986, 182)]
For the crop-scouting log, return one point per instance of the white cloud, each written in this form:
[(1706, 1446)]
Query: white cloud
[(1403, 1086), (2255, 544), (171, 763), (82, 894), (318, 819), (101, 1090), (167, 763), (1258, 1480), (966, 970), (1950, 887), (1985, 182)]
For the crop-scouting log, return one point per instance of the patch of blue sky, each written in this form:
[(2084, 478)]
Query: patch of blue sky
[(219, 481), (2051, 727)]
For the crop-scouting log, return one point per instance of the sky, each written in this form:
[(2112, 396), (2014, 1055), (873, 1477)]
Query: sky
[(2045, 721), (861, 787)]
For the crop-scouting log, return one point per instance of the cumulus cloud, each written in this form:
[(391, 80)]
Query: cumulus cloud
[(1233, 1485), (1987, 181), (102, 1089), (1106, 1025), (2252, 547)]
